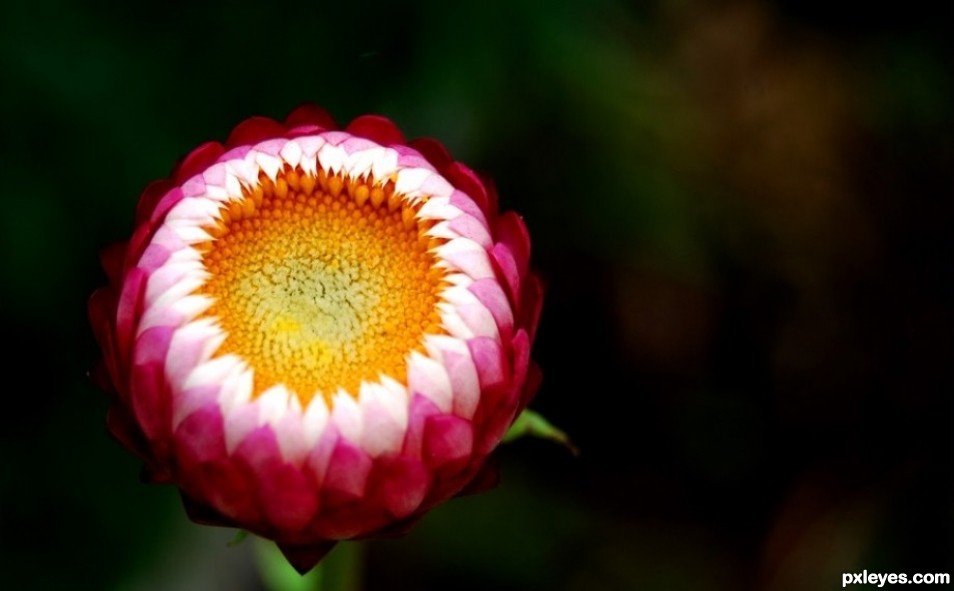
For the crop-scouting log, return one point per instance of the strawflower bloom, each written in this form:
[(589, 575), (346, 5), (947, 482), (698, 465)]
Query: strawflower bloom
[(317, 335)]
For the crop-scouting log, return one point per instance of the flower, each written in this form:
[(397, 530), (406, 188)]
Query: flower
[(317, 335)]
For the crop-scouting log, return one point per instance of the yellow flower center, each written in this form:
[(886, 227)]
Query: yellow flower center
[(321, 282)]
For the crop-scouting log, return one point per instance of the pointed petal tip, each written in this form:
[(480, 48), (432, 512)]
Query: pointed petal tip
[(304, 558)]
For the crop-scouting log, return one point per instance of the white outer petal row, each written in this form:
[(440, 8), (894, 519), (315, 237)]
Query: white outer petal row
[(378, 418)]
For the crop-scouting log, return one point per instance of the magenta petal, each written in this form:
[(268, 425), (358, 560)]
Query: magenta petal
[(286, 496), (150, 402), (447, 439), (399, 484), (290, 498), (347, 473), (421, 408), (491, 363), (200, 438), (230, 489)]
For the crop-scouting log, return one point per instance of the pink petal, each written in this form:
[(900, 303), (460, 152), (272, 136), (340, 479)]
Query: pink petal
[(491, 295)]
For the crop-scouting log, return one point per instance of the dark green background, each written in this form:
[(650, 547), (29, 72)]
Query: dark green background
[(742, 210)]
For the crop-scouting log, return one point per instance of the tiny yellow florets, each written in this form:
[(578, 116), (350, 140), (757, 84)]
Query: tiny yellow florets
[(322, 282)]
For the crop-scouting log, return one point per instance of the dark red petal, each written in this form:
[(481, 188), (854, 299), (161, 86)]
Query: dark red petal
[(254, 130), (310, 114), (154, 474), (150, 197), (304, 558), (395, 530), (510, 230), (101, 309), (505, 265), (398, 484), (100, 377), (196, 161), (467, 181), (493, 200), (531, 305), (377, 129), (111, 258), (531, 384), (434, 151), (122, 427), (447, 438), (487, 477), (205, 515)]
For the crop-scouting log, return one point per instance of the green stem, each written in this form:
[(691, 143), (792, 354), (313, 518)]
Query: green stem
[(339, 571)]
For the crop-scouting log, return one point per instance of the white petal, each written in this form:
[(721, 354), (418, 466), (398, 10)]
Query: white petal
[(410, 179), (315, 420), (428, 378), (439, 208), (465, 382), (346, 416), (472, 311), (273, 404), (359, 163), (196, 210), (453, 323), (291, 153), (466, 256), (268, 163), (385, 419), (332, 158), (245, 171), (203, 335), (385, 164), (214, 371)]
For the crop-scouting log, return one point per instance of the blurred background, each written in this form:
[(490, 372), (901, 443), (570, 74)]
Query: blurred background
[(742, 210)]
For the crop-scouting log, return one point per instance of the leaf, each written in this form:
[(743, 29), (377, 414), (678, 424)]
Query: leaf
[(240, 536), (532, 424)]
